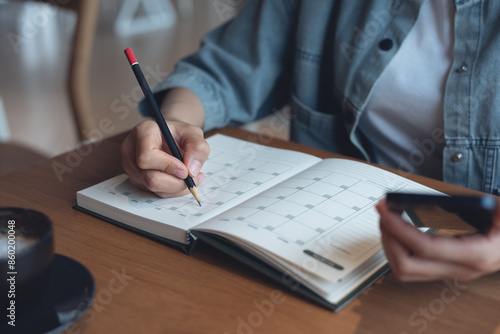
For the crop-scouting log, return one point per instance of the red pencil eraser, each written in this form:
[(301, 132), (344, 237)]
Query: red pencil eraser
[(130, 56)]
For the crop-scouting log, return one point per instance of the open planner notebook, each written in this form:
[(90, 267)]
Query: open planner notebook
[(306, 222)]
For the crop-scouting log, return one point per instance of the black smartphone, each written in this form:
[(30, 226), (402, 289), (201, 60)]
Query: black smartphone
[(475, 210)]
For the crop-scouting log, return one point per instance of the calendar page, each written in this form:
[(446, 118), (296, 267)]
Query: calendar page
[(322, 220), (235, 171)]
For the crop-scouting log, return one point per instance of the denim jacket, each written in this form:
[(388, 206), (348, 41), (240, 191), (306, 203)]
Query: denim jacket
[(323, 57)]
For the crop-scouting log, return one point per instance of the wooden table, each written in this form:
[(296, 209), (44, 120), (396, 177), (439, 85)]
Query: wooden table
[(161, 290)]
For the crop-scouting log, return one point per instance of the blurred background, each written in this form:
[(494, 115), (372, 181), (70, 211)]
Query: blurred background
[(64, 79)]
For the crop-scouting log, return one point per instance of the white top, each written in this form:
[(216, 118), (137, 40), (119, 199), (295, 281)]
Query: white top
[(404, 117)]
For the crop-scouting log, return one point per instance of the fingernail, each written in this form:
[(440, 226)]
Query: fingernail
[(181, 174), (194, 167)]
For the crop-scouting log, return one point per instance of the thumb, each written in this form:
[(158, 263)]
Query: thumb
[(196, 151), (194, 147), (195, 156)]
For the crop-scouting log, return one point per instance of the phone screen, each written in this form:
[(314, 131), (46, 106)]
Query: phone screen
[(477, 211)]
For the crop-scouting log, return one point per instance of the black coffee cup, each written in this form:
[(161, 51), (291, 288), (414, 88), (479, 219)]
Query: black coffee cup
[(26, 253)]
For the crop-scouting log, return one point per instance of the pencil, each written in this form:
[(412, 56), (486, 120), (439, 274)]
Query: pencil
[(159, 118)]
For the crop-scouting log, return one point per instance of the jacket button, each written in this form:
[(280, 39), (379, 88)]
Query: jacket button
[(457, 157), (386, 44), (462, 68)]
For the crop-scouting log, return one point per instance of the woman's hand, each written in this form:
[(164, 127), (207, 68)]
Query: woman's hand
[(147, 160), (416, 256)]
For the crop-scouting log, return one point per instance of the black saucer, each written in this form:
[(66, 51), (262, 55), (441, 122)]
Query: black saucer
[(70, 292)]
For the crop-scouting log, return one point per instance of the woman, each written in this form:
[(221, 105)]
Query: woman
[(407, 84)]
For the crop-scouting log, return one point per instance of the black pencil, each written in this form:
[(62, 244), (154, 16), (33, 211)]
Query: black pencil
[(159, 118)]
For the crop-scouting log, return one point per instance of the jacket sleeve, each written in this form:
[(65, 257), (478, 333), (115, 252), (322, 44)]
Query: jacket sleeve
[(242, 70)]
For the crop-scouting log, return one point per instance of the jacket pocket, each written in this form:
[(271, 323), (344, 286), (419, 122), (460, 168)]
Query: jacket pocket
[(318, 129)]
